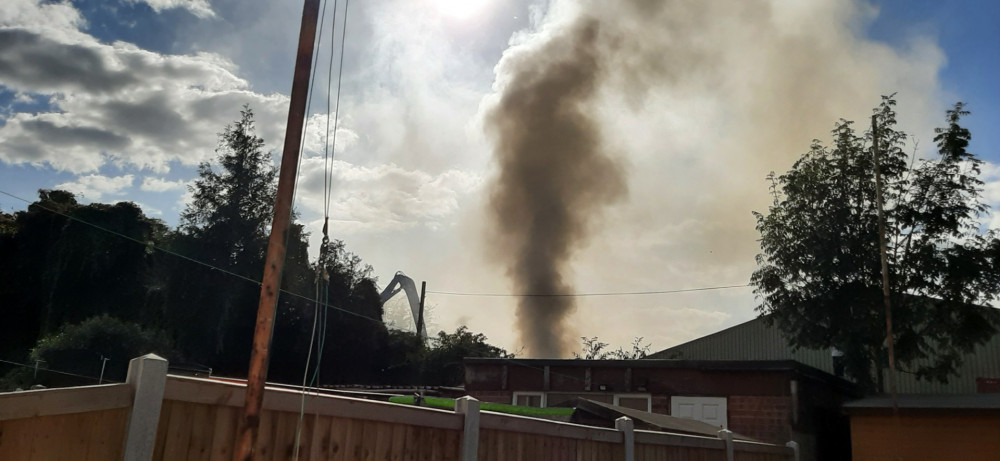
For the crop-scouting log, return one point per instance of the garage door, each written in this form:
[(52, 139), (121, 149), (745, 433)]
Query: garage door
[(711, 410)]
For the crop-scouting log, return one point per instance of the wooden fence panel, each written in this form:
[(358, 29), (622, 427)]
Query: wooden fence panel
[(92, 435), (198, 420)]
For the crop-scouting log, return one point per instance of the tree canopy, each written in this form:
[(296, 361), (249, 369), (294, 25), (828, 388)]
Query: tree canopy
[(819, 273), (81, 281), (595, 349)]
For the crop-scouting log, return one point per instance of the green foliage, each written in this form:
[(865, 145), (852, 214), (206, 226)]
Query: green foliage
[(594, 349), (443, 364), (78, 348), (226, 225), (409, 361), (58, 269), (105, 335), (67, 263), (213, 313), (819, 272), (232, 207)]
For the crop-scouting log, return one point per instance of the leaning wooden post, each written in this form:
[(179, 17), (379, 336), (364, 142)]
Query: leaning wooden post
[(727, 436), (627, 427), (275, 260), (147, 375), (469, 407)]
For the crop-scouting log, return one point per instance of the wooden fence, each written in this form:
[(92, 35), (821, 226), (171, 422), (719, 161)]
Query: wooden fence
[(161, 417)]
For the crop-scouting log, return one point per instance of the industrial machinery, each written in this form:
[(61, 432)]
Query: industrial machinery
[(403, 283)]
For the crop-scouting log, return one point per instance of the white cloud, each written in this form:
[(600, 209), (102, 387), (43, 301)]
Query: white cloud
[(740, 90), (154, 184), (149, 210), (116, 102), (385, 197), (198, 8), (59, 20), (991, 186), (94, 187)]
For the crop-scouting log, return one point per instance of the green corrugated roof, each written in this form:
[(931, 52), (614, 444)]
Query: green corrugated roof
[(754, 340)]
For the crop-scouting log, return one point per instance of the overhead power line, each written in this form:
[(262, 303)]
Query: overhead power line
[(50, 370), (186, 258), (329, 306), (580, 295)]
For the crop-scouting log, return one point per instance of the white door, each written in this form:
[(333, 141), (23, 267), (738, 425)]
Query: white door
[(711, 410)]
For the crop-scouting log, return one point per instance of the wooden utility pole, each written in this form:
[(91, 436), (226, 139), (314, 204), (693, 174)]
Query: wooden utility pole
[(275, 260), (885, 265)]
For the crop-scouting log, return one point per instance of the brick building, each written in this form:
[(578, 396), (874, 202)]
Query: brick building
[(770, 400)]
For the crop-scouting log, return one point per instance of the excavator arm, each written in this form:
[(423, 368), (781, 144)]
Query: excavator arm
[(403, 283)]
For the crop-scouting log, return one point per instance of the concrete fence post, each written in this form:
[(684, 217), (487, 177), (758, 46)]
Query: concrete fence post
[(148, 377), (795, 450), (469, 407), (627, 427), (727, 436)]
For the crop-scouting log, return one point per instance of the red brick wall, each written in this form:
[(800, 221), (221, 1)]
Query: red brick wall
[(660, 404), (767, 418)]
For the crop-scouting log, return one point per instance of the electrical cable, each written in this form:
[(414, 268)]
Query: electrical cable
[(326, 139), (59, 372), (305, 373), (580, 295), (309, 95), (325, 302), (149, 245), (321, 274), (336, 110)]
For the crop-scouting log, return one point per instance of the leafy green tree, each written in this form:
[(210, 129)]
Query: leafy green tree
[(354, 332), (443, 364), (402, 358), (81, 347), (226, 225), (595, 349), (819, 271), (213, 312), (63, 265)]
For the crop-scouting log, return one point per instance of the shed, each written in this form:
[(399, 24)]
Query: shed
[(774, 401), (926, 427)]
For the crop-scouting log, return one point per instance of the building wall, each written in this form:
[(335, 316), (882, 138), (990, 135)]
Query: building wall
[(916, 437), (759, 402), (760, 416)]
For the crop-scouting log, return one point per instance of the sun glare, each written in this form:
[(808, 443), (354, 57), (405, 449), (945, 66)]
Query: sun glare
[(458, 9)]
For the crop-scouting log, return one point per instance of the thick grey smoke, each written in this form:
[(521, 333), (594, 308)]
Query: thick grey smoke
[(701, 98), (554, 176)]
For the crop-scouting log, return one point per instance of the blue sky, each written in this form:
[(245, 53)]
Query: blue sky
[(120, 100)]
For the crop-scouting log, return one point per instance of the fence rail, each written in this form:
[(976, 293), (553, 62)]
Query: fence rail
[(160, 417)]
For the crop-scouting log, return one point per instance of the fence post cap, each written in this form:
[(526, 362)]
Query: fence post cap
[(793, 445), (466, 404), (624, 423), (151, 356), (726, 434)]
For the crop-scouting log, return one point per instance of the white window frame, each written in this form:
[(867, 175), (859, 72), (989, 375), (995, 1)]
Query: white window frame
[(513, 399), (648, 397)]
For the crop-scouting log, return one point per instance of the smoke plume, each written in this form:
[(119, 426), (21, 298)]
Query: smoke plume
[(554, 175), (701, 100)]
